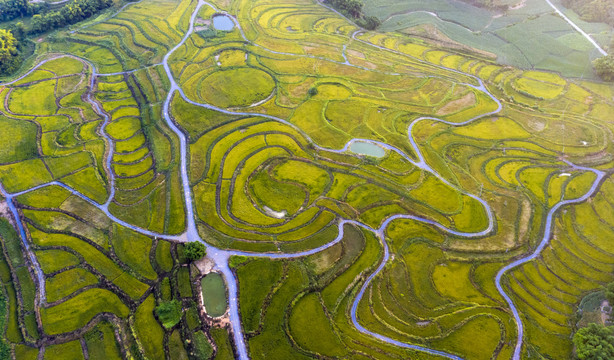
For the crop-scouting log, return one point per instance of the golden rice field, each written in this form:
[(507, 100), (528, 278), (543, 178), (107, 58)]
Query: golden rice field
[(99, 140)]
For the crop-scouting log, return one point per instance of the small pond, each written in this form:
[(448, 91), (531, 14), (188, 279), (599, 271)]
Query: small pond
[(365, 148), (214, 294), (223, 22)]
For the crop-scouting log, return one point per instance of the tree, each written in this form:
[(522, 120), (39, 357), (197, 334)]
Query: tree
[(12, 9), (9, 55), (608, 291), (604, 67), (69, 14), (369, 22), (194, 251), (18, 29), (353, 9), (37, 25), (594, 342)]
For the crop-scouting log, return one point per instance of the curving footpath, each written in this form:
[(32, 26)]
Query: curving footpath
[(221, 257), (545, 239)]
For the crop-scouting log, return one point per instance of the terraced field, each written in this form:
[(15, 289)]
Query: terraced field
[(476, 235)]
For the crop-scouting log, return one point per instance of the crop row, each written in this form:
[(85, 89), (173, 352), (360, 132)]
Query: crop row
[(102, 283)]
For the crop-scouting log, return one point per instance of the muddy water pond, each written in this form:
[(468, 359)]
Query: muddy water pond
[(214, 294)]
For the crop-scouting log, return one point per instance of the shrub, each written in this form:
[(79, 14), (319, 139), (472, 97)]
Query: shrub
[(211, 33), (9, 55), (169, 313), (604, 67), (202, 348), (235, 261)]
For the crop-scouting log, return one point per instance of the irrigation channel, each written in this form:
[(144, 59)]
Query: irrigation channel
[(221, 256)]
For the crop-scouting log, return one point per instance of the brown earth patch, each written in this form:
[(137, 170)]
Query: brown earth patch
[(6, 213), (455, 105), (536, 125), (355, 53)]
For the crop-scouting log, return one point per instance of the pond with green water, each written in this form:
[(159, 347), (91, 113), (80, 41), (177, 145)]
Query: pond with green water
[(214, 294)]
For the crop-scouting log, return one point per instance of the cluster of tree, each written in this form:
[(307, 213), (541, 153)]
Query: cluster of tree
[(71, 13), (13, 9), (14, 36), (194, 251), (593, 10), (353, 9), (9, 53), (604, 67), (594, 342)]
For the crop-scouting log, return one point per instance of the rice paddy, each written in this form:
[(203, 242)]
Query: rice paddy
[(406, 174)]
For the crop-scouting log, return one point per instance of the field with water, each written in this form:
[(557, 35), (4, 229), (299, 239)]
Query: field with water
[(361, 194)]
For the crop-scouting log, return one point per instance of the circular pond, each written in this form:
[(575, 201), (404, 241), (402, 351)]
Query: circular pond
[(214, 294), (223, 22), (366, 148)]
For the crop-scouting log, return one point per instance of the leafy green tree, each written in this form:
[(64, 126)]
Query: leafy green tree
[(12, 9), (9, 55), (608, 291), (71, 13), (369, 22), (169, 313), (594, 342), (194, 251), (19, 30), (604, 67), (353, 9)]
